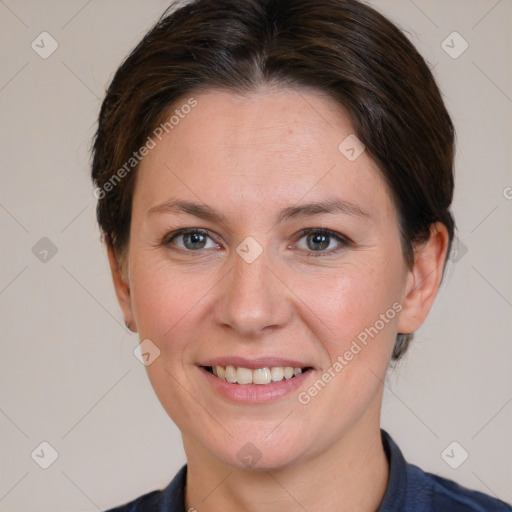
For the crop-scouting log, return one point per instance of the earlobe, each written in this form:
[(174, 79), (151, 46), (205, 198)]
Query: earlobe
[(121, 287), (424, 279)]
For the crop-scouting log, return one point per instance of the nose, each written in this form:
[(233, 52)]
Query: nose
[(254, 299)]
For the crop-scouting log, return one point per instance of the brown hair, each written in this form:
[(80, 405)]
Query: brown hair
[(341, 48)]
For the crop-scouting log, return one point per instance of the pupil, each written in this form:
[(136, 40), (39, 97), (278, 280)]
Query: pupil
[(196, 240), (318, 241)]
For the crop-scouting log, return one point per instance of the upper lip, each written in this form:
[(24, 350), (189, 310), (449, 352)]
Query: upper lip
[(260, 362)]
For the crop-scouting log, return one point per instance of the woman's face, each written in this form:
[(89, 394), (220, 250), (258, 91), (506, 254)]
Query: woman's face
[(291, 257)]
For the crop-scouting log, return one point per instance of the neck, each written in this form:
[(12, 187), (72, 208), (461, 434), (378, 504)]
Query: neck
[(351, 475)]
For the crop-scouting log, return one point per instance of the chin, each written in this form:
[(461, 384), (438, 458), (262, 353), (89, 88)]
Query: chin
[(259, 452)]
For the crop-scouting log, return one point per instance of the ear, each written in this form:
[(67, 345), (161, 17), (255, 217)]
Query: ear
[(424, 279), (122, 288)]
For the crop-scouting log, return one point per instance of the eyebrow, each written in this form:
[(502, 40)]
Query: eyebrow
[(204, 211), (331, 206), (200, 210)]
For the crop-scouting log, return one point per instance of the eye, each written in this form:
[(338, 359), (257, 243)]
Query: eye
[(191, 240), (321, 241)]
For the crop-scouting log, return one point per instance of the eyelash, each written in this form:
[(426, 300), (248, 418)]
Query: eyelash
[(342, 240)]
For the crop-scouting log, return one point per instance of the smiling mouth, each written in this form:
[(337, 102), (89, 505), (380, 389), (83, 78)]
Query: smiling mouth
[(261, 376)]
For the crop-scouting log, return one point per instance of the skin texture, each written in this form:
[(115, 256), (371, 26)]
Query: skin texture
[(249, 157)]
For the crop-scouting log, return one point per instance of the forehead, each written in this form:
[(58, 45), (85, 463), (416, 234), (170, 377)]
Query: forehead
[(259, 150)]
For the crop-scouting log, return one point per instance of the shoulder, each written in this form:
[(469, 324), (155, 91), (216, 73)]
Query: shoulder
[(429, 492), (149, 501), (170, 499), (412, 489)]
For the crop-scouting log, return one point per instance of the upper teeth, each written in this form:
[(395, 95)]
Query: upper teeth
[(264, 375)]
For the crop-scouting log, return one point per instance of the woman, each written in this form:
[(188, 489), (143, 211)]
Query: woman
[(274, 182)]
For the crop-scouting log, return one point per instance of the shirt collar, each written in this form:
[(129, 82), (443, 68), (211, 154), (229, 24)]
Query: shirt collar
[(397, 482)]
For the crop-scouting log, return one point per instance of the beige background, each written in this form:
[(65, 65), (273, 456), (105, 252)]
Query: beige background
[(68, 375)]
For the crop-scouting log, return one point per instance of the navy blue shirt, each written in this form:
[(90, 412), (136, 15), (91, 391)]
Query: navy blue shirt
[(409, 490)]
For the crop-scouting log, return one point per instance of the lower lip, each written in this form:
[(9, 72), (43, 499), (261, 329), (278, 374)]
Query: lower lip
[(255, 393)]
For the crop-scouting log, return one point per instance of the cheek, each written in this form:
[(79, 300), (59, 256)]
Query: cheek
[(166, 301), (354, 302)]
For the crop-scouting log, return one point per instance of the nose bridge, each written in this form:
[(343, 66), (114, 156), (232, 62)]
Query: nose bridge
[(253, 299)]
